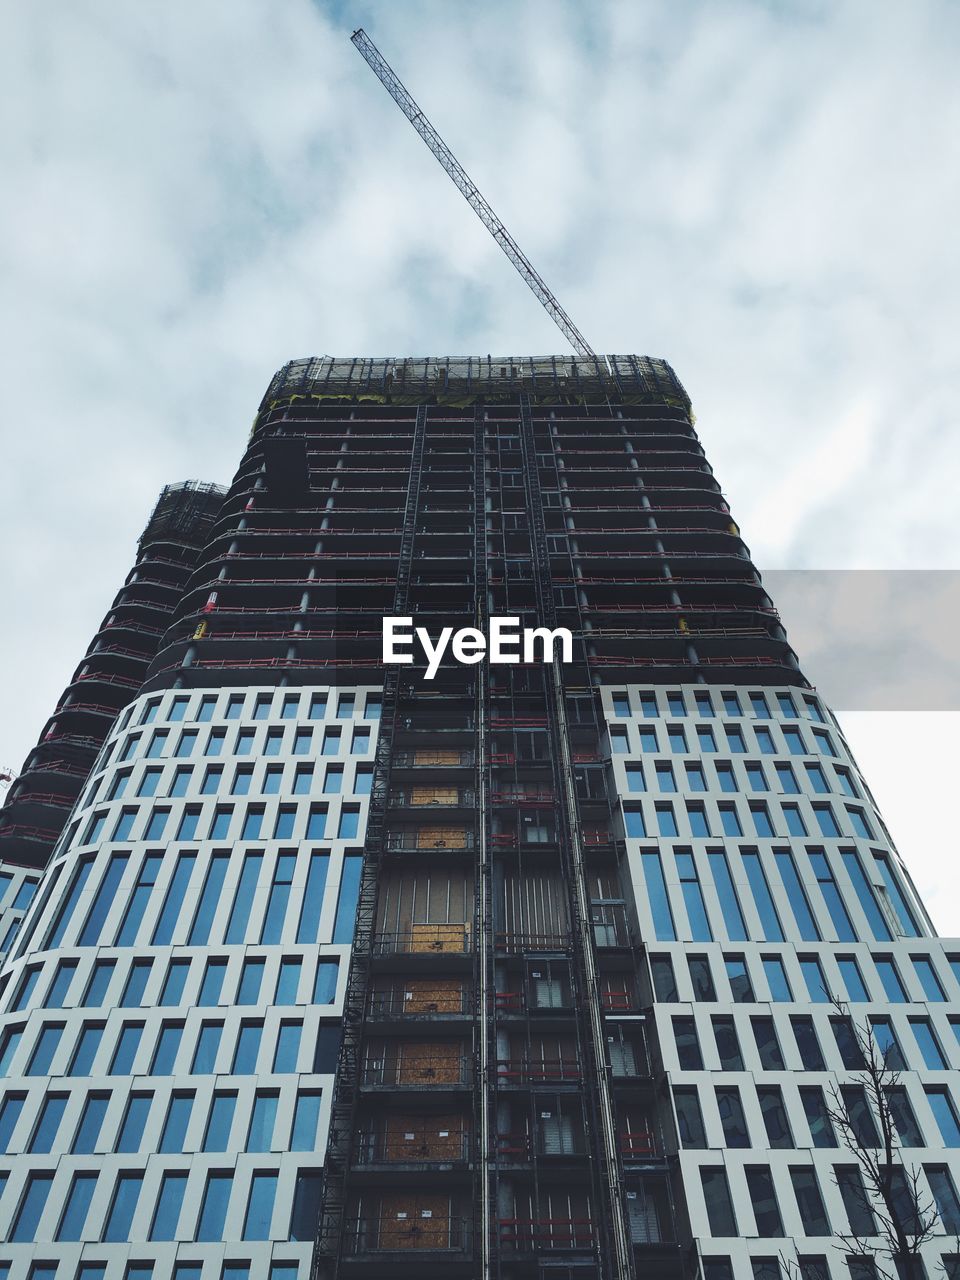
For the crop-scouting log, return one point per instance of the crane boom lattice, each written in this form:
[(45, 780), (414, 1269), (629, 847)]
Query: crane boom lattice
[(394, 86)]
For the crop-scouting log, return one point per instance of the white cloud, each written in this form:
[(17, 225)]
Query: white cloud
[(761, 193)]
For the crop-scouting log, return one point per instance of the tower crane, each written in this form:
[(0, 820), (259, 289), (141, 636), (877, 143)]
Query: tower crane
[(461, 179)]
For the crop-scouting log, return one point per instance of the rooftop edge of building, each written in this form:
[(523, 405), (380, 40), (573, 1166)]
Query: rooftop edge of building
[(462, 380)]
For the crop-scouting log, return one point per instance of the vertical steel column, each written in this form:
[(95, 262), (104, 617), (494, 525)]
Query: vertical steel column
[(615, 1262), (328, 1250)]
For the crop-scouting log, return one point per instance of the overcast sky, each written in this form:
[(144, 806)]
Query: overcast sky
[(765, 194)]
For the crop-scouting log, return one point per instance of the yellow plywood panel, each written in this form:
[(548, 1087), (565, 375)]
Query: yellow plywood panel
[(428, 1062), (433, 795), (414, 1222), (439, 937), (427, 995), (441, 837), (437, 756)]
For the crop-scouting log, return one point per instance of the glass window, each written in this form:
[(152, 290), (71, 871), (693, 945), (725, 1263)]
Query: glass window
[(731, 704), (676, 704), (945, 1197), (696, 780), (895, 894), (688, 1046), (729, 821), (91, 1122), (728, 1044), (701, 978), (306, 1205), (44, 1049), (362, 780), (848, 1044), (815, 981), (213, 1210), (208, 1043), (181, 783), (633, 821), (664, 981), (738, 976), (831, 896), (700, 929), (32, 1204), (123, 1207), (149, 782), (157, 743), (689, 1119), (795, 823), (308, 927), (291, 706), (331, 742), (166, 1216), (216, 1136), (817, 779), (174, 900), (303, 779), (666, 782), (886, 1041), (666, 821), (763, 1197), (807, 1044), (252, 824), (944, 1112), (657, 896), (635, 778), (732, 1120), (134, 1123), (25, 988), (136, 984), (648, 740), (726, 777), (818, 1117), (774, 1115), (787, 779), (244, 743), (795, 743), (139, 897), (852, 978), (325, 987), (243, 899), (333, 779), (768, 1046), (126, 1050), (765, 741), (273, 742), (706, 739), (798, 899), (776, 976), (349, 823), (279, 897), (65, 914), (318, 706), (288, 1047), (174, 982), (756, 878), (168, 1045), (697, 818), (48, 1123), (262, 1120), (288, 981), (727, 895), (10, 1110), (929, 981), (761, 819), (241, 780), (847, 785), (905, 1121), (676, 737), (187, 829), (716, 1195), (813, 1213), (234, 706), (343, 926), (248, 1048), (316, 822), (263, 1191), (756, 778), (890, 979), (156, 823), (209, 899), (866, 895), (88, 1042), (272, 777), (825, 820), (215, 742), (175, 1124), (306, 1118), (251, 978), (859, 823), (928, 1044), (856, 1202)]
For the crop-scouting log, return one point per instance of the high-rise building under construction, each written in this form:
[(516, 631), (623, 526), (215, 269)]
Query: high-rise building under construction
[(528, 971)]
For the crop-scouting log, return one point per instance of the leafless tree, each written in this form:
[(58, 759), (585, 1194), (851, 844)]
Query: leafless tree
[(889, 1192)]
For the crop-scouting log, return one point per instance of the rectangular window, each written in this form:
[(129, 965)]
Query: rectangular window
[(362, 780), (243, 899), (689, 1119), (688, 1045), (848, 1045), (866, 894), (928, 1044), (831, 896), (349, 822), (766, 1211), (173, 902), (212, 779), (325, 986), (818, 1116), (765, 741), (174, 982), (272, 777), (69, 905), (666, 820), (309, 924), (716, 1195), (343, 925), (259, 1215), (181, 782), (696, 780), (657, 896), (795, 824), (48, 1123), (697, 818), (816, 983), (156, 824), (796, 896), (88, 1042), (288, 981), (220, 822), (126, 1050), (890, 980), (733, 1122), (168, 1046), (209, 899), (944, 1112), (288, 1048), (208, 1044), (251, 979), (648, 740), (756, 878), (44, 1049), (166, 1216), (216, 1136), (908, 925), (273, 742), (729, 821), (727, 895), (813, 1213), (808, 1045), (741, 988), (205, 711), (318, 706), (123, 1207), (331, 742), (212, 984), (32, 1204), (761, 818), (91, 1122), (158, 743), (149, 782), (241, 780), (852, 978), (316, 822), (213, 1209), (787, 779), (676, 737), (252, 823), (175, 1125), (728, 1044), (244, 743), (945, 1197), (756, 778), (768, 1046), (134, 1123), (700, 929), (248, 1048), (776, 976), (262, 1120), (633, 821), (635, 778), (774, 1115), (927, 974), (187, 829), (706, 739), (215, 742)]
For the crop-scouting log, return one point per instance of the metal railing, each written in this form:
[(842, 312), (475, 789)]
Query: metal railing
[(425, 939), (416, 1073)]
